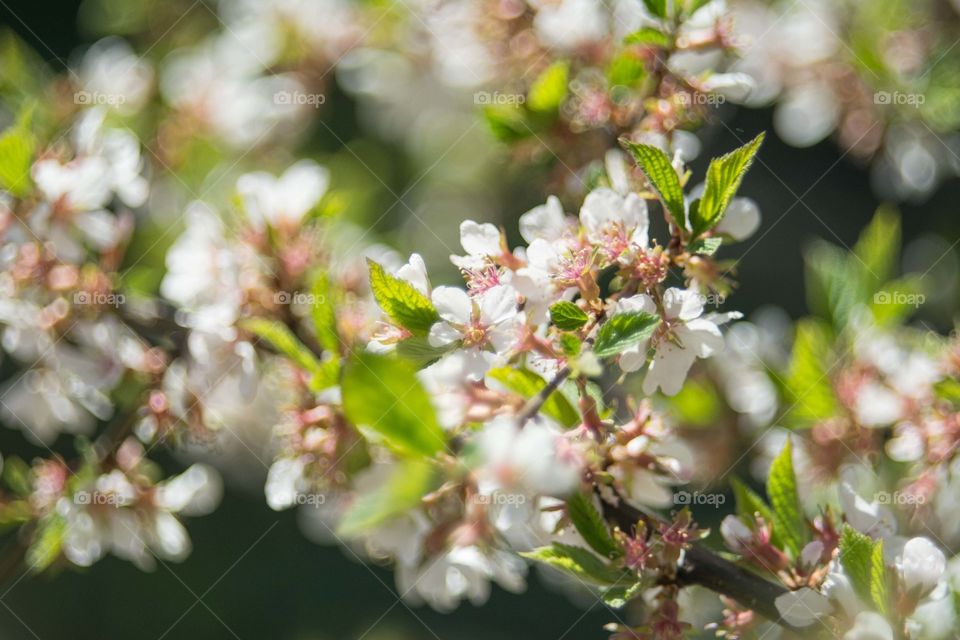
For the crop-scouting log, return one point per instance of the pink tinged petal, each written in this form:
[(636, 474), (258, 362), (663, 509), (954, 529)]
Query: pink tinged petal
[(452, 304), (682, 304), (635, 217), (415, 272), (869, 625), (633, 304), (921, 565), (442, 334), (480, 239), (669, 368), (634, 358), (545, 222), (601, 208), (803, 607), (701, 336), (497, 305)]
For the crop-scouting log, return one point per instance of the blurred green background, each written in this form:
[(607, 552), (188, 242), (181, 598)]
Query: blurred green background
[(253, 574)]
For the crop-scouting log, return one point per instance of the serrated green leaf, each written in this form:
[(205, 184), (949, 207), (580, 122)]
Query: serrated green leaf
[(419, 351), (550, 88), (782, 489), (808, 386), (402, 492), (659, 171), (281, 338), (618, 597), (17, 146), (47, 543), (648, 35), (591, 526), (835, 282), (528, 384), (624, 330), (567, 316), (750, 503), (385, 395), (576, 561), (570, 344), (324, 314), (401, 301), (705, 246), (878, 247), (856, 557), (724, 176), (878, 578)]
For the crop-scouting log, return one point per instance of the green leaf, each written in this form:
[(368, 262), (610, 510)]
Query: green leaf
[(623, 331), (47, 543), (856, 556), (878, 248), (550, 88), (626, 69), (836, 282), (723, 179), (659, 171), (419, 351), (657, 8), (17, 476), (528, 384), (618, 597), (567, 316), (897, 300), (697, 404), (591, 525), (570, 344), (782, 489), (577, 561), (705, 246), (750, 503), (384, 394), (808, 386), (401, 301), (402, 492), (648, 35), (507, 122), (17, 146), (948, 389), (878, 578), (281, 338), (324, 314)]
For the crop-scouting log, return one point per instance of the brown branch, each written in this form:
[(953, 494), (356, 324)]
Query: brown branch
[(701, 566), (534, 404)]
